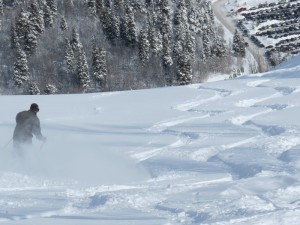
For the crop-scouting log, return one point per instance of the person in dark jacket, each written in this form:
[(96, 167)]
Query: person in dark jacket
[(28, 124)]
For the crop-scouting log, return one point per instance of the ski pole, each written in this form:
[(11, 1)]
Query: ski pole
[(7, 144)]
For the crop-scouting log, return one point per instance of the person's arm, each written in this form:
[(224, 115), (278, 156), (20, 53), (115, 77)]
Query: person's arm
[(37, 130)]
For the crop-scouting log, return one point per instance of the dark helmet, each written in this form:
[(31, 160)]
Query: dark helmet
[(34, 107)]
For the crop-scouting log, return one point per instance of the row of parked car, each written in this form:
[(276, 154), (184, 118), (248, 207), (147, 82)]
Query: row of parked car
[(282, 30), (289, 16), (281, 24)]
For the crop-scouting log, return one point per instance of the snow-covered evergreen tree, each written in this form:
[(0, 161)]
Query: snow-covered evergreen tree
[(206, 46), (75, 42), (63, 24), (123, 30), (190, 44), (52, 5), (144, 46), (48, 16), (166, 30), (219, 48), (208, 9), (110, 24), (69, 57), (238, 45), (83, 71), (36, 18), (193, 20), (155, 39), (184, 70), (30, 43), (34, 89), (180, 28), (99, 66), (22, 25), (131, 26), (50, 89), (21, 70)]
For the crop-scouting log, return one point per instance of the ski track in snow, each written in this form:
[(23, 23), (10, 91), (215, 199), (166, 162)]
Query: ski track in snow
[(209, 153)]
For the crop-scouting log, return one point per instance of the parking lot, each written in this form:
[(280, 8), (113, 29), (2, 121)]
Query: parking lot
[(274, 26)]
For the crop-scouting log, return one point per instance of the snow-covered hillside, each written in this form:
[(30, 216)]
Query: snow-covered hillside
[(224, 152)]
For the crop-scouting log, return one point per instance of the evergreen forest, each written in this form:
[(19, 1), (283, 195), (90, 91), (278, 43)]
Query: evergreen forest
[(79, 46)]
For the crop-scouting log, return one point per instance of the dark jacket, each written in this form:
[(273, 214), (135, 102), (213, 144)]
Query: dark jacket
[(27, 124)]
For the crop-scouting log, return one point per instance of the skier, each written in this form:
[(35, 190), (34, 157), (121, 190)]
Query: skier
[(27, 124)]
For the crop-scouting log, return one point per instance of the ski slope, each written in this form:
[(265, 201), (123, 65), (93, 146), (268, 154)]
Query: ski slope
[(219, 153)]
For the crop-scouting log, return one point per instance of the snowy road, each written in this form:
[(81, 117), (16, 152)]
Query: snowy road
[(223, 152)]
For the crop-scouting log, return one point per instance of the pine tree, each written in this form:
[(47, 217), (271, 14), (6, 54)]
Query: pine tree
[(21, 70), (190, 44), (83, 71), (219, 48), (144, 46), (193, 20), (115, 28), (111, 26), (206, 46), (155, 40), (63, 24), (69, 58), (34, 89), (238, 45), (48, 17), (75, 42), (30, 43), (123, 31), (52, 6), (155, 37), (184, 70), (166, 30), (36, 18), (236, 42), (209, 11), (180, 28), (131, 26), (50, 89), (99, 66), (22, 25)]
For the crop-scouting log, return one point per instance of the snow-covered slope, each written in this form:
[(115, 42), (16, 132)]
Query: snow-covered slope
[(224, 152)]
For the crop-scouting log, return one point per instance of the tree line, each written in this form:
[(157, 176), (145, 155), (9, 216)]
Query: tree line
[(75, 46)]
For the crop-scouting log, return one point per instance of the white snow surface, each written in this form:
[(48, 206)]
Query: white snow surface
[(219, 153)]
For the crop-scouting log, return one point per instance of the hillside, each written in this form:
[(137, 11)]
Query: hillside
[(73, 46)]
